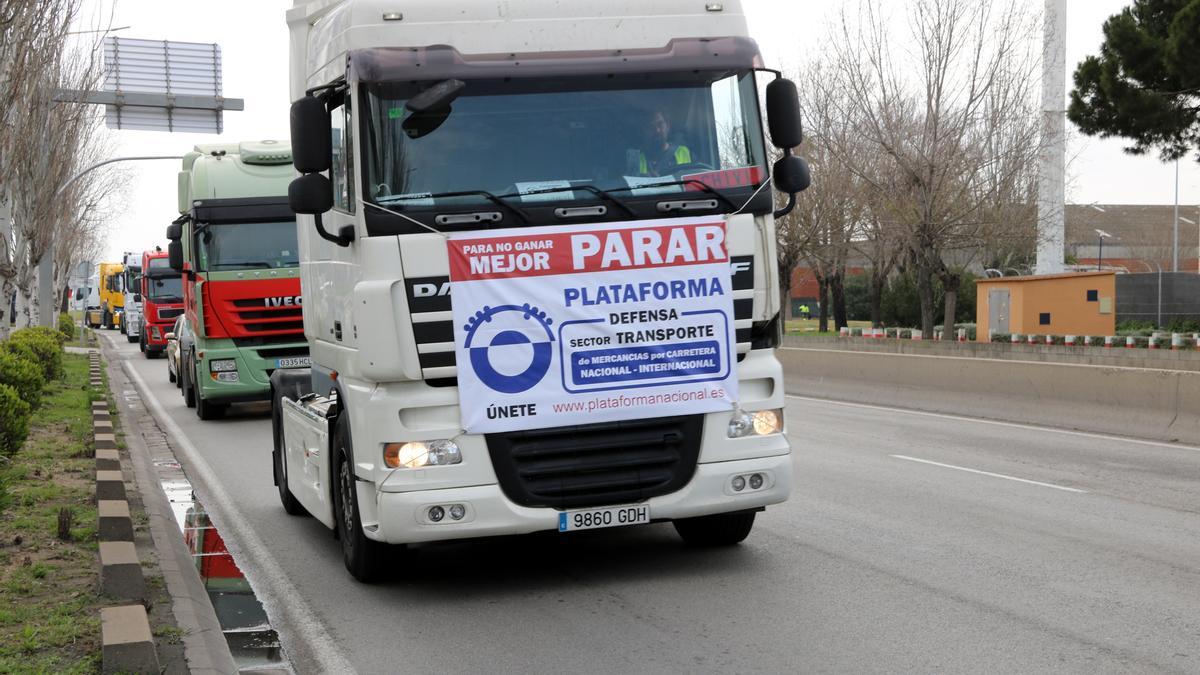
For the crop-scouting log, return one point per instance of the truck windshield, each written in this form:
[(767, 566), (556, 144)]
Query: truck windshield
[(625, 132), (165, 289), (131, 277), (247, 246)]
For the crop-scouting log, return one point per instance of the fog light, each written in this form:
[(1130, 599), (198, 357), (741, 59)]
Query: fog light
[(768, 422), (222, 365), (226, 377), (436, 513), (417, 454), (457, 511), (738, 483), (756, 481)]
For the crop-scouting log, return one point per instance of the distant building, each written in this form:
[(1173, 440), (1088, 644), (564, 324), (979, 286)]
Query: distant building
[(1141, 236)]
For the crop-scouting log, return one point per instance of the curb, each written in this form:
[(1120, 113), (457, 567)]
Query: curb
[(127, 645)]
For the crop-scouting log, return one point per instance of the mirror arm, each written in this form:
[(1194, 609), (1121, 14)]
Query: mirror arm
[(779, 213), (342, 238)]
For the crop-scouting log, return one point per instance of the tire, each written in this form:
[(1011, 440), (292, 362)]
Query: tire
[(363, 557), (206, 410), (189, 394), (141, 340), (171, 374), (723, 529), (291, 505)]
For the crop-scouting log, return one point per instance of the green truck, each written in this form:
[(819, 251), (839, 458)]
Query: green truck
[(235, 245)]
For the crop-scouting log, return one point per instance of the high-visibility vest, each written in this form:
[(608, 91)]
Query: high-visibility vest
[(682, 156)]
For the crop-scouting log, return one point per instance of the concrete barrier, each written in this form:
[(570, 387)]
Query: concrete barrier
[(115, 522), (1145, 403), (120, 572), (127, 644), (110, 485)]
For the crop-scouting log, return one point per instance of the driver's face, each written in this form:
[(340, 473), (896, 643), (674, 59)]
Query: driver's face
[(657, 129)]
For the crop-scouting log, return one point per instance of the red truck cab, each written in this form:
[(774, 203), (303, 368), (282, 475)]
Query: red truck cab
[(162, 301)]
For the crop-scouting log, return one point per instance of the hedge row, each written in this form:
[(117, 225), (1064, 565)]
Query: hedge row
[(29, 359)]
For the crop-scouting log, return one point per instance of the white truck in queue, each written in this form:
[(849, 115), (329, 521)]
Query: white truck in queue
[(537, 248), (131, 318)]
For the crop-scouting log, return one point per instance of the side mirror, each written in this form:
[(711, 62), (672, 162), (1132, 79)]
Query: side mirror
[(137, 297), (169, 336), (783, 114), (791, 175), (175, 255), (312, 145), (310, 194), (174, 232)]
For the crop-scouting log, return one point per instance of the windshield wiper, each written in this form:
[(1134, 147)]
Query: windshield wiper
[(604, 195), (245, 263), (704, 187), (498, 201)]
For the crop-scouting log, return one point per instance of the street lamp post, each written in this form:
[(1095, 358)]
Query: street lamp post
[(1101, 235)]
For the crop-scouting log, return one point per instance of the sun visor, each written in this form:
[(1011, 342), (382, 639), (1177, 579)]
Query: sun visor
[(439, 62)]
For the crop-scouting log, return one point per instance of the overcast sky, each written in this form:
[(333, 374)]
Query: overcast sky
[(253, 39)]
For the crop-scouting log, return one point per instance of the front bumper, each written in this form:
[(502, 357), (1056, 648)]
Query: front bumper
[(400, 517), (254, 373), (157, 341)]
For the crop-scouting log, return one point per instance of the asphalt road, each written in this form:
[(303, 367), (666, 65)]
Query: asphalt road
[(914, 542)]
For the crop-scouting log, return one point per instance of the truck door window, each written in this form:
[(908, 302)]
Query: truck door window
[(341, 174)]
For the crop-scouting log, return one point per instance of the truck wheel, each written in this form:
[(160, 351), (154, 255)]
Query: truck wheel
[(363, 557), (141, 340), (291, 505), (724, 529), (189, 394), (207, 410)]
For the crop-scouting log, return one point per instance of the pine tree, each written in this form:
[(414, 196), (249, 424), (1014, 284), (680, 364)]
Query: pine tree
[(1145, 83)]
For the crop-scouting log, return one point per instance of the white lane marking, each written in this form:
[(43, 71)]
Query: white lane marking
[(282, 596), (988, 473), (1014, 425)]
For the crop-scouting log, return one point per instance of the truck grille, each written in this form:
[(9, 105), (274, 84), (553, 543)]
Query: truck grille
[(168, 313), (597, 464), (253, 317)]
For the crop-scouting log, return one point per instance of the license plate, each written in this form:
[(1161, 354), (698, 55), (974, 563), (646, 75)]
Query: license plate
[(294, 362), (612, 516)]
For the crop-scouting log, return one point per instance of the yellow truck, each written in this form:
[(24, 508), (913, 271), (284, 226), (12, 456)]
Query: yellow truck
[(112, 294)]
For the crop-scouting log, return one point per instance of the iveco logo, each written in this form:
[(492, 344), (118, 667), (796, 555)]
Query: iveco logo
[(282, 301), (431, 290)]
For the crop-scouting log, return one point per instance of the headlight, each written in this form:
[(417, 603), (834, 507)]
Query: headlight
[(761, 423), (222, 365), (416, 454)]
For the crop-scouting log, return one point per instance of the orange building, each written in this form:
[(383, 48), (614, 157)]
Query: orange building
[(1082, 303)]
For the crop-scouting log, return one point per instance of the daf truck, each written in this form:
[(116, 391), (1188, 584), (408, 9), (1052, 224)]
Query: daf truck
[(112, 294), (235, 246), (162, 301), (131, 313), (537, 247)]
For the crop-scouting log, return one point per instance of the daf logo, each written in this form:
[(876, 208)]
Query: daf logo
[(739, 267), (431, 290), (283, 301)]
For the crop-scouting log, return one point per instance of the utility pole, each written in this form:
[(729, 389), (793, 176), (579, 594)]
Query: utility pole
[(1052, 158), (1175, 238)]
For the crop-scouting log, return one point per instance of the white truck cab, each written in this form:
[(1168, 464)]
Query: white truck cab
[(450, 152), (131, 319)]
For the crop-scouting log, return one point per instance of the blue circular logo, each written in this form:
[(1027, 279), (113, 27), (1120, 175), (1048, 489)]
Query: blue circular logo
[(481, 356)]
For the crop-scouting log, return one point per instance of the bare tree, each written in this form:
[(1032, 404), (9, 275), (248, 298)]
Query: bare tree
[(945, 103), (44, 142)]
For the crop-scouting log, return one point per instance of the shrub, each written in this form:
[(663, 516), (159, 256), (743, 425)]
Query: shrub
[(14, 420), (52, 333), (66, 325), (46, 348), (22, 374), (1181, 325)]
